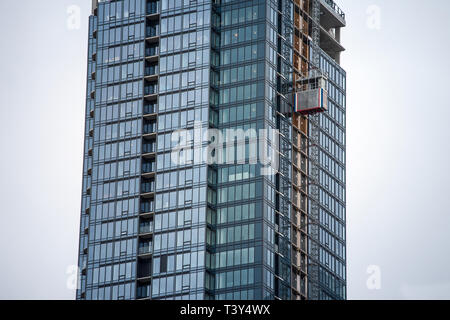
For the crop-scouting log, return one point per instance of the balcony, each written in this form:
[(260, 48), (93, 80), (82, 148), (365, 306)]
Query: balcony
[(329, 42), (151, 70), (148, 148), (149, 110), (146, 227), (152, 30), (152, 53), (151, 92), (149, 127), (144, 291), (148, 169), (151, 73), (152, 33), (149, 156), (151, 89), (149, 132), (148, 187), (147, 209), (152, 8), (145, 249), (332, 16)]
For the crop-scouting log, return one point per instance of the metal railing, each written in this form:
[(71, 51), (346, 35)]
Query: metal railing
[(152, 51), (145, 249), (149, 127), (152, 89), (149, 108), (335, 7), (151, 70), (149, 147), (148, 167), (146, 228), (148, 206), (152, 7), (147, 187)]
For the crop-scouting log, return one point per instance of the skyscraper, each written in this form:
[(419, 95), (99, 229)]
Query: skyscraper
[(214, 161)]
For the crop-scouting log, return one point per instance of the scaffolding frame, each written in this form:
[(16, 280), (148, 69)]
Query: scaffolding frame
[(314, 162)]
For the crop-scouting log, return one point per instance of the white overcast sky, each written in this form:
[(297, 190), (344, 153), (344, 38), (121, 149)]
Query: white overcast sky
[(397, 153)]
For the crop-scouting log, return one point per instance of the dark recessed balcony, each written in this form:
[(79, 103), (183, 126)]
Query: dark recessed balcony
[(151, 92), (149, 127), (152, 53), (148, 167), (151, 73), (149, 130), (148, 147), (149, 109), (145, 249), (151, 70), (152, 31), (146, 227), (152, 40), (153, 16), (149, 156), (152, 8), (148, 195), (147, 208), (148, 187), (143, 291)]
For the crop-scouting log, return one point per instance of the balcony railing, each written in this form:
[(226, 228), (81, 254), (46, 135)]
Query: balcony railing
[(335, 7), (152, 31), (147, 206), (151, 70), (152, 7), (149, 128), (149, 108), (148, 187), (153, 89), (146, 228), (148, 167), (146, 248), (144, 291), (151, 51), (149, 147)]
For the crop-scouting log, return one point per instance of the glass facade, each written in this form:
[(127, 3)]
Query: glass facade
[(332, 185), (159, 219), (239, 46)]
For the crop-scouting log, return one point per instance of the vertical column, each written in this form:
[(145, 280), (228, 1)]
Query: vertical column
[(148, 157)]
